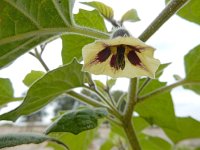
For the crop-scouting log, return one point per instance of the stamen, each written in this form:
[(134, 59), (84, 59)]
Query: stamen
[(117, 61), (120, 56)]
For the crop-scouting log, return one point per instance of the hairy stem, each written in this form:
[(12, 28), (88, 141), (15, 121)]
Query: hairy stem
[(127, 120), (85, 31), (106, 101), (85, 99), (169, 10), (172, 7), (146, 82), (131, 135), (39, 57), (132, 99), (165, 89), (92, 102)]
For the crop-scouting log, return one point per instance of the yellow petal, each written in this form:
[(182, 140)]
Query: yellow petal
[(149, 67), (151, 64)]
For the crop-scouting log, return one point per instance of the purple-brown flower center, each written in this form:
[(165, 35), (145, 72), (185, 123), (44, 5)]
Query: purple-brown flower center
[(117, 60)]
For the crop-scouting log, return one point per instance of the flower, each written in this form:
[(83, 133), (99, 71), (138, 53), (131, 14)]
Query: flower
[(120, 57)]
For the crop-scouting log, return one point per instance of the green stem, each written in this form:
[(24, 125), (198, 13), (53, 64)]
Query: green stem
[(162, 90), (85, 99), (127, 120), (168, 11), (17, 98), (131, 135), (111, 98), (146, 82), (85, 31), (92, 102), (56, 32), (39, 57), (101, 96), (132, 99)]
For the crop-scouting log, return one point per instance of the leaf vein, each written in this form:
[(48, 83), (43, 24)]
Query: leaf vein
[(60, 13), (24, 13)]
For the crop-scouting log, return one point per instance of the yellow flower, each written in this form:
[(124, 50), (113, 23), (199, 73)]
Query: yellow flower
[(120, 57)]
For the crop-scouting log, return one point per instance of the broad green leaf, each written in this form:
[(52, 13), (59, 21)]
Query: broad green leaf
[(47, 88), (73, 44), (107, 145), (110, 83), (190, 11), (115, 129), (77, 121), (15, 139), (101, 88), (25, 24), (157, 109), (139, 124), (75, 142), (188, 128), (153, 143), (130, 15), (72, 47), (116, 134), (6, 91), (161, 69), (90, 19), (32, 77), (192, 61), (103, 9)]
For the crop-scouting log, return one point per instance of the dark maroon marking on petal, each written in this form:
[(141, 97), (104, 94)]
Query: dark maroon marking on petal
[(113, 61), (133, 58), (103, 55)]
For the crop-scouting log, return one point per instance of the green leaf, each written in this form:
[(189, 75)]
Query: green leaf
[(153, 143), (177, 77), (157, 109), (188, 128), (115, 129), (110, 83), (6, 91), (32, 77), (107, 145), (139, 124), (190, 11), (101, 88), (77, 121), (47, 88), (192, 61), (130, 15), (90, 19), (73, 44), (103, 9), (72, 47), (10, 140), (161, 69), (75, 142), (25, 24)]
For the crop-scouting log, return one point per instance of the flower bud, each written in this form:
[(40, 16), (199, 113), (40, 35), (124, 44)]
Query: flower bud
[(120, 32)]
